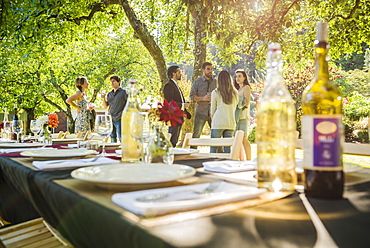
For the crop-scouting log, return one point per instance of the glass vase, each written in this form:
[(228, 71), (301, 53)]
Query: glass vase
[(159, 147), (45, 136)]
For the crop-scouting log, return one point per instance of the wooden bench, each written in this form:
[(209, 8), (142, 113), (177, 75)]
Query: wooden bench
[(32, 234)]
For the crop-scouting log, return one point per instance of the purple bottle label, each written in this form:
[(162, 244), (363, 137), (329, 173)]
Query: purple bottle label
[(326, 147), (323, 141)]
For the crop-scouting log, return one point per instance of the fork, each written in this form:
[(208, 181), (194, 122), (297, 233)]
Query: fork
[(209, 189), (62, 161)]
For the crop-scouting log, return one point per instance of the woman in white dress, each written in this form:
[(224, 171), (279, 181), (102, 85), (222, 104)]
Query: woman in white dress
[(224, 100), (242, 118)]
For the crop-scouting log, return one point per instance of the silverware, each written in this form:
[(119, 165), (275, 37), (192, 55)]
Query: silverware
[(323, 237), (83, 161), (209, 189)]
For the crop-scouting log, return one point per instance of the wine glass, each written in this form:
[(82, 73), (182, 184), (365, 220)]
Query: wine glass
[(35, 128), (17, 128), (8, 129), (103, 126), (140, 130)]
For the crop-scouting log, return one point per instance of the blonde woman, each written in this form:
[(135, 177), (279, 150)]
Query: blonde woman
[(79, 101), (242, 116), (224, 100)]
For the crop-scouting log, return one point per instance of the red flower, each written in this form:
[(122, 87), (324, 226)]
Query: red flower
[(53, 120), (2, 125), (170, 112)]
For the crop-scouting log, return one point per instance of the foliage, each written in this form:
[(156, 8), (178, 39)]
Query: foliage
[(357, 107), (252, 134), (354, 60)]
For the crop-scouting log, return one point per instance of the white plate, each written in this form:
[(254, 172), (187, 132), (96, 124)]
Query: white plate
[(6, 141), (61, 153), (20, 145), (65, 141), (133, 173), (183, 151), (112, 144)]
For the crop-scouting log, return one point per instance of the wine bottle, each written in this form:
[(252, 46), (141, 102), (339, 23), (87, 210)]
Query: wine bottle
[(14, 120), (276, 129), (322, 129), (130, 147), (4, 135)]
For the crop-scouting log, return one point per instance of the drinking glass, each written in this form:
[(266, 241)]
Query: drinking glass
[(103, 126), (102, 92), (35, 128), (8, 129), (17, 128), (140, 130)]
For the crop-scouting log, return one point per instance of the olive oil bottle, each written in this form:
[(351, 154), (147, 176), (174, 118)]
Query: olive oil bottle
[(130, 147), (276, 129)]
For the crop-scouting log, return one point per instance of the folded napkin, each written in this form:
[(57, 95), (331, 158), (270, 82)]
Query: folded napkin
[(17, 150), (72, 163), (183, 198), (228, 166), (72, 145), (119, 152)]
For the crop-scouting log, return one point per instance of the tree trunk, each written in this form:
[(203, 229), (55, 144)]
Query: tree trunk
[(148, 41), (199, 11), (30, 116)]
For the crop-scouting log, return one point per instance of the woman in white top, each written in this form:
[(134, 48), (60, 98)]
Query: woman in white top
[(244, 91), (224, 100)]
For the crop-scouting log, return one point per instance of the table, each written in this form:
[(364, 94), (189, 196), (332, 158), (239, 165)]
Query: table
[(85, 215)]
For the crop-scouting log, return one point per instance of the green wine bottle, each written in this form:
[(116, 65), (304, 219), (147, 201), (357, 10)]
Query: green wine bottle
[(322, 129)]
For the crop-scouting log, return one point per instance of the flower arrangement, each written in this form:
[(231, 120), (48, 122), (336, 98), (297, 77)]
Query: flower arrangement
[(168, 113), (50, 120)]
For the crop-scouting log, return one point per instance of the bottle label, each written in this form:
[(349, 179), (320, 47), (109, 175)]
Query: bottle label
[(322, 141)]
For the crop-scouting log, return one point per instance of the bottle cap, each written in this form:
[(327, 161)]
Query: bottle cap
[(274, 47), (322, 31), (274, 56), (132, 81)]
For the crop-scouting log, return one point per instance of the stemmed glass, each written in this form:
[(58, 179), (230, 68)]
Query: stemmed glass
[(140, 130), (35, 128), (104, 127), (17, 128), (8, 129)]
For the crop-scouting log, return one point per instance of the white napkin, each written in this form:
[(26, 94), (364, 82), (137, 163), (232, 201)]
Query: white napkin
[(16, 150), (71, 163), (224, 193), (72, 145), (228, 166), (119, 152)]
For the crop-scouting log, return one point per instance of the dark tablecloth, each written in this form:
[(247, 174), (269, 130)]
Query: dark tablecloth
[(27, 193)]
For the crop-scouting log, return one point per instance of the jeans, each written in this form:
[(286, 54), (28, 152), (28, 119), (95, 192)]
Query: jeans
[(175, 131), (116, 132), (199, 121), (218, 133)]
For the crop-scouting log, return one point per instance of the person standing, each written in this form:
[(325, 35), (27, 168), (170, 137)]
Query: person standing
[(201, 94), (79, 101), (241, 83), (224, 100), (115, 101), (172, 92)]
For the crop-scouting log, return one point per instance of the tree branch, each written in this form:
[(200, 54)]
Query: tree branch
[(349, 16)]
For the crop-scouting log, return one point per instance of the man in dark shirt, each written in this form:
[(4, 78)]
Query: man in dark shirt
[(201, 94), (172, 92), (115, 101)]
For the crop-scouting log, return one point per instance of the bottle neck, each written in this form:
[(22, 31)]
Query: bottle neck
[(5, 115), (15, 117), (322, 71)]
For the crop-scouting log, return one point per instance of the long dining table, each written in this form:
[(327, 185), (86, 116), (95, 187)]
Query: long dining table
[(85, 215)]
